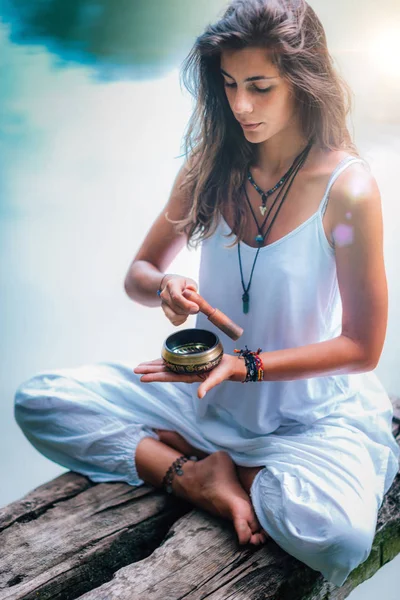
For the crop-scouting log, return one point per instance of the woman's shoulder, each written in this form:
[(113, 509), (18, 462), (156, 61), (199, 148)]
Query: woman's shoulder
[(326, 161), (355, 186), (355, 178)]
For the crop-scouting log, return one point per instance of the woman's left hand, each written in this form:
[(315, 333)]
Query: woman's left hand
[(229, 369)]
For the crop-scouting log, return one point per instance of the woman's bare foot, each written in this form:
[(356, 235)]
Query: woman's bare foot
[(212, 484), (175, 440)]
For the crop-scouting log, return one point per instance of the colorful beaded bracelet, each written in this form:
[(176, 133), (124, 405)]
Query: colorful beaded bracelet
[(254, 364)]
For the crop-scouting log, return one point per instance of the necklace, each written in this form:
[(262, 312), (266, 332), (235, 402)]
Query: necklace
[(267, 194), (261, 237), (296, 166)]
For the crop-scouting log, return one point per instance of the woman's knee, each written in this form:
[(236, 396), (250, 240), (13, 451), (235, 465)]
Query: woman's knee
[(310, 527), (25, 398), (33, 397), (349, 547)]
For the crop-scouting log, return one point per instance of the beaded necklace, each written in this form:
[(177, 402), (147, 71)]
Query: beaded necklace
[(295, 167), (267, 194), (260, 237)]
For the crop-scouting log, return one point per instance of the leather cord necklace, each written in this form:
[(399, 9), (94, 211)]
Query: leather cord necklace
[(295, 167), (267, 194), (260, 237)]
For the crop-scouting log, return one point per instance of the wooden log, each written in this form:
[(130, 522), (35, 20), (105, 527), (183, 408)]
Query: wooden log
[(213, 567), (56, 545), (44, 497), (71, 538)]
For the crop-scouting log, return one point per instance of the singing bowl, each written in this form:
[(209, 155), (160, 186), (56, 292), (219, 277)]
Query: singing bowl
[(192, 351)]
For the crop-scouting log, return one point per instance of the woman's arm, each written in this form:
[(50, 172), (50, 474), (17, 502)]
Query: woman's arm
[(357, 231), (160, 246), (363, 290)]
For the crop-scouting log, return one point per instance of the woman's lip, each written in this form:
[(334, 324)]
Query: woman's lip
[(249, 126)]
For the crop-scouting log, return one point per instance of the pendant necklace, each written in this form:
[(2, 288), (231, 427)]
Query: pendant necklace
[(260, 238), (267, 194)]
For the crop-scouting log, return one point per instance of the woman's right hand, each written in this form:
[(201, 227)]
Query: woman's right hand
[(174, 304)]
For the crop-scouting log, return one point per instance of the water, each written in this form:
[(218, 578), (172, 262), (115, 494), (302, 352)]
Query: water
[(90, 142)]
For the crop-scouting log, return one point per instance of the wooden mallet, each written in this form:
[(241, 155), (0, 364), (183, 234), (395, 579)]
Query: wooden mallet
[(214, 315)]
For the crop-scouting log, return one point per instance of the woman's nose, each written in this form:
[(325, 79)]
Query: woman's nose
[(241, 104)]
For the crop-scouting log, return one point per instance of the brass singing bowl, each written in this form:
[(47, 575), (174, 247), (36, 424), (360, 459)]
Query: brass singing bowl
[(192, 351)]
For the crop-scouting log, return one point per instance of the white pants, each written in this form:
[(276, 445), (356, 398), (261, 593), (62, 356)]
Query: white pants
[(317, 495)]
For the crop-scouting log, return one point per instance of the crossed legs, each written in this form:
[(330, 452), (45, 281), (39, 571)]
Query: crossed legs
[(214, 483)]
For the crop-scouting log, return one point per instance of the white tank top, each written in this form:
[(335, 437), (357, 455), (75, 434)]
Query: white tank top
[(294, 301)]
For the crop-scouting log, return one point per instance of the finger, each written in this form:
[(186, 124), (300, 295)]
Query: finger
[(175, 318), (216, 376), (177, 301), (157, 363), (168, 376), (150, 369), (171, 309), (191, 286)]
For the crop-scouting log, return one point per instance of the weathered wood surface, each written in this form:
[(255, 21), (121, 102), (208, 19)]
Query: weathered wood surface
[(71, 535), (71, 538)]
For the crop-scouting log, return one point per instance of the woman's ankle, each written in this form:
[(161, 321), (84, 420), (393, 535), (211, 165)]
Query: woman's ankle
[(153, 458), (182, 485), (246, 476)]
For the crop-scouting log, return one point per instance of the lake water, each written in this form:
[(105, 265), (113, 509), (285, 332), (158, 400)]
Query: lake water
[(91, 126)]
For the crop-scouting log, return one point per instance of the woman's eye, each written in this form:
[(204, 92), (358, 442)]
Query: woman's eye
[(256, 89)]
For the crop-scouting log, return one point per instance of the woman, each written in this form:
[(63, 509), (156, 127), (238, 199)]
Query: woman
[(290, 223)]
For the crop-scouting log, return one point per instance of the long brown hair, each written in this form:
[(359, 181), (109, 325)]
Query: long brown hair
[(217, 152)]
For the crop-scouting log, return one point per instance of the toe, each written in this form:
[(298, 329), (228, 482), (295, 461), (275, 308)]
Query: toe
[(265, 536), (243, 530), (255, 524), (257, 539)]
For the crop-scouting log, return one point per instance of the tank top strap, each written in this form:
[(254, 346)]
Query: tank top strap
[(343, 164)]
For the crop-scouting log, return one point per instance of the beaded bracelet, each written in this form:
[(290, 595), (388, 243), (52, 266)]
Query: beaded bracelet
[(160, 288), (254, 364), (175, 468), (254, 368)]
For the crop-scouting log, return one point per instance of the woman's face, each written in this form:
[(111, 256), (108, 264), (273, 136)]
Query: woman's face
[(266, 98)]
